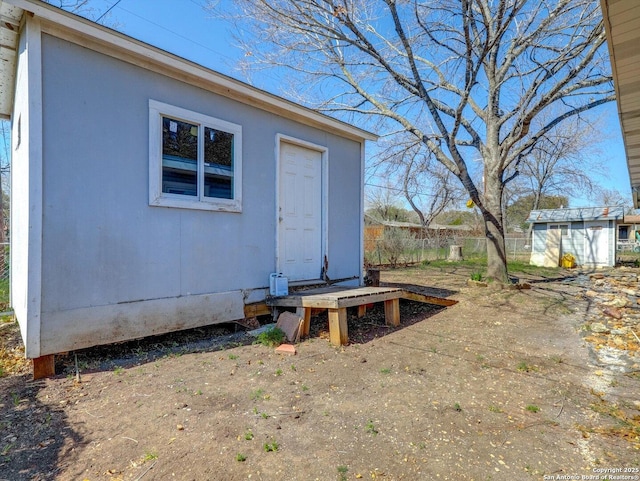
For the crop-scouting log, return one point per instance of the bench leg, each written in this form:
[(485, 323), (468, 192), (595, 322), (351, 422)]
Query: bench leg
[(338, 326), (44, 366), (305, 314), (362, 310), (392, 312)]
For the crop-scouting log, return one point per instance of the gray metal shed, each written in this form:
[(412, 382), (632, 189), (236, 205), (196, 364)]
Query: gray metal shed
[(587, 233)]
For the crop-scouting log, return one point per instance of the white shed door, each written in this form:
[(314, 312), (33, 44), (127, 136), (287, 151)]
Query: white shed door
[(596, 246), (300, 212)]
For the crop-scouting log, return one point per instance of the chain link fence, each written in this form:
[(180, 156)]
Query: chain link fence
[(396, 246), (4, 276), (4, 261)]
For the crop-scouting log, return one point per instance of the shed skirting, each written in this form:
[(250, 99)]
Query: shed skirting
[(91, 326)]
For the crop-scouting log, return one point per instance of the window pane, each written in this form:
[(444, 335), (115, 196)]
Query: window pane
[(179, 157), (218, 163)]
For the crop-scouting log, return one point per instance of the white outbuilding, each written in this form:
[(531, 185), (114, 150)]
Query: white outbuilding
[(586, 233)]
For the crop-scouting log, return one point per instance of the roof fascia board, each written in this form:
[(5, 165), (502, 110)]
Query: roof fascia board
[(604, 6), (110, 42), (12, 20)]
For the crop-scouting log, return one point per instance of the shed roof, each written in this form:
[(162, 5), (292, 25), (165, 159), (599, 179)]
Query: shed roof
[(92, 35), (576, 214)]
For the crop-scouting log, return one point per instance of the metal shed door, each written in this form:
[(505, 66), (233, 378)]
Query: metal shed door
[(596, 246), (300, 212)]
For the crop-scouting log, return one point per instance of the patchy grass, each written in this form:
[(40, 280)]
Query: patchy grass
[(478, 265), (371, 428), (270, 447), (477, 276), (521, 267), (4, 295), (475, 263), (150, 456), (524, 367), (271, 337), (257, 394), (624, 421)]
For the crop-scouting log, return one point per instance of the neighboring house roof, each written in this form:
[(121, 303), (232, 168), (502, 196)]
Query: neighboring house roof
[(72, 27), (413, 225), (631, 219), (450, 227), (576, 214), (393, 223), (622, 24)]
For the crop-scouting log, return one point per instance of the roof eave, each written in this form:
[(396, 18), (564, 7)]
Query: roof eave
[(10, 17), (58, 21), (623, 53)]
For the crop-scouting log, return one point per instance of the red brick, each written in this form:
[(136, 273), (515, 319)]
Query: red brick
[(286, 349)]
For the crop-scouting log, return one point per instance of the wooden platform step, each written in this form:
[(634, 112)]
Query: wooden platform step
[(416, 296), (337, 299)]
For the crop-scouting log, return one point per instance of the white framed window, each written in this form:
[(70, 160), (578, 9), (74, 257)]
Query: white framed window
[(195, 161), (565, 229)]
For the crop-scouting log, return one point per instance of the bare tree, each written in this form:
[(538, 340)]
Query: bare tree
[(468, 78), (87, 9), (427, 186), (608, 197), (562, 163), (383, 203)]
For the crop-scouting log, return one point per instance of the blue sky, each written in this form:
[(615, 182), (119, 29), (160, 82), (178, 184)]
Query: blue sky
[(183, 27), (186, 28)]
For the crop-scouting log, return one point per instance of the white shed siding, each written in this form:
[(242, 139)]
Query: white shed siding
[(539, 237), (574, 245), (612, 242), (26, 189)]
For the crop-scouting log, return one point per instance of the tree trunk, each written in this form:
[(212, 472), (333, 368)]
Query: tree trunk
[(494, 229)]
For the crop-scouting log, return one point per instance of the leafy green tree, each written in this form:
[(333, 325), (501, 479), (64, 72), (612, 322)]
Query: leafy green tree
[(519, 210)]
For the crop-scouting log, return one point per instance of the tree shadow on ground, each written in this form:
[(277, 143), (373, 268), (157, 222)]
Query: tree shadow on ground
[(148, 349), (34, 436)]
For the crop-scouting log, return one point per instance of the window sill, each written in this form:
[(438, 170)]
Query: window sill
[(220, 205)]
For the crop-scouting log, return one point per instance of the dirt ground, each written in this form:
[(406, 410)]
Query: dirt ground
[(504, 385)]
